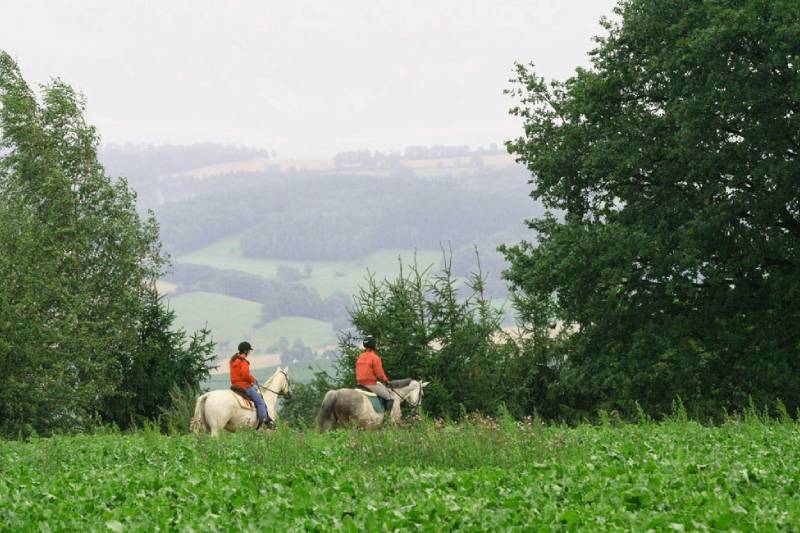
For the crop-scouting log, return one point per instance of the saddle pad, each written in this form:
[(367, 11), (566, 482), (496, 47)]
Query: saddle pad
[(377, 404), (245, 404)]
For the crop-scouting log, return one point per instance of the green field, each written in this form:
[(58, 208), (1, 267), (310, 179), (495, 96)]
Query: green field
[(479, 476), (233, 316), (326, 277), (232, 320)]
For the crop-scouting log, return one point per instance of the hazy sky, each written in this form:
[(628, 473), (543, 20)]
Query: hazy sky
[(305, 78)]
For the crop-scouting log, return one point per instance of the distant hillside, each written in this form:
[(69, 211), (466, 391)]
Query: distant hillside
[(426, 166), (144, 164), (268, 249)]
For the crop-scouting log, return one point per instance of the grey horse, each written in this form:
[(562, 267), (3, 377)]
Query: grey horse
[(352, 408)]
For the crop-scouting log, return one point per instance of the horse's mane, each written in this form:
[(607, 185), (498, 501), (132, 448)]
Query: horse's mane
[(273, 376), (399, 383)]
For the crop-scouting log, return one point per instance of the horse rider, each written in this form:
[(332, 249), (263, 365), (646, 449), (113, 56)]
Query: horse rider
[(243, 379), (370, 374)]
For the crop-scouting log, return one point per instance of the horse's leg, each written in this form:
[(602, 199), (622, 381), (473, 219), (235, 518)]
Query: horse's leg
[(222, 415)]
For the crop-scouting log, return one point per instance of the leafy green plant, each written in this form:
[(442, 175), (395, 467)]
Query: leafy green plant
[(482, 473)]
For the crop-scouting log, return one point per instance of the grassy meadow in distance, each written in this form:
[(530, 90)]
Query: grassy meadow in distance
[(238, 319), (480, 475), (326, 277), (233, 319)]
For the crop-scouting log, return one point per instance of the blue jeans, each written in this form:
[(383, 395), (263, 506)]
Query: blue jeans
[(261, 407)]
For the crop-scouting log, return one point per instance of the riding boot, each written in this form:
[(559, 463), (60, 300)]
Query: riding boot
[(387, 405)]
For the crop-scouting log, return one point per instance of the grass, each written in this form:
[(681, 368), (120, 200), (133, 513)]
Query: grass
[(480, 475), (312, 332), (228, 318), (232, 320), (326, 277)]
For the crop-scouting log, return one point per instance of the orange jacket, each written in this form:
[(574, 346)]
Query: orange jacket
[(240, 372), (369, 369)]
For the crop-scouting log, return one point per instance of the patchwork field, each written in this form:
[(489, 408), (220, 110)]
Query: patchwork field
[(481, 475), (326, 277), (233, 319)]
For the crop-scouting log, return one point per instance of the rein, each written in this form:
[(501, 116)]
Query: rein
[(405, 398), (266, 388)]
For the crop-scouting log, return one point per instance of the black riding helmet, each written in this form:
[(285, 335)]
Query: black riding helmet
[(244, 347), (370, 342)]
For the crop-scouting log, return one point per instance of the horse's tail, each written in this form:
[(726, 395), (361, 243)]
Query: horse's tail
[(327, 416), (199, 419)]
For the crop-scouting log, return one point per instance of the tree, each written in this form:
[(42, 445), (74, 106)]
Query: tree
[(672, 252), (434, 327), (302, 409), (77, 264), (166, 362)]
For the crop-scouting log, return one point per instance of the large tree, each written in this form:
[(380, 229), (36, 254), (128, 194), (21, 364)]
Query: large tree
[(77, 266), (671, 258), (431, 326)]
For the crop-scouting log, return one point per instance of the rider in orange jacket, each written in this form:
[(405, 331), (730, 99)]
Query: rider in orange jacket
[(243, 379), (370, 374)]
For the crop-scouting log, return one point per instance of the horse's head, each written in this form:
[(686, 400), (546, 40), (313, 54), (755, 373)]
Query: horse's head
[(410, 391), (415, 397), (286, 388), (279, 383)]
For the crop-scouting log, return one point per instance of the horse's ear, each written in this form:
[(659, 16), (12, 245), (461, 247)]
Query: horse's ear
[(425, 384)]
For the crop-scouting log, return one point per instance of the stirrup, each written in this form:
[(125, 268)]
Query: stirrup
[(269, 423)]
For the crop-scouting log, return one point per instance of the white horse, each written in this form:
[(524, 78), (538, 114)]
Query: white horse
[(221, 408), (350, 407)]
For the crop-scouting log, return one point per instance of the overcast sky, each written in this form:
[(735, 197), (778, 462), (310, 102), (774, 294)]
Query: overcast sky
[(304, 78)]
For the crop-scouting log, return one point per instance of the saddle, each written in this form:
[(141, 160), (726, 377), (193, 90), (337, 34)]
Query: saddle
[(375, 400), (244, 400)]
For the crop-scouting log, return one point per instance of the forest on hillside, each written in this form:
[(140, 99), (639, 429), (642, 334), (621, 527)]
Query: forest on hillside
[(295, 223)]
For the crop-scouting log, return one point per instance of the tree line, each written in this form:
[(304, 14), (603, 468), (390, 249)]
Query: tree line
[(277, 298), (345, 217)]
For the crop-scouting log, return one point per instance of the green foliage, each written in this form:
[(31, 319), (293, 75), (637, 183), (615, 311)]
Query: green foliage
[(77, 270), (165, 361), (478, 475), (427, 330), (296, 352), (301, 411), (176, 416), (672, 253)]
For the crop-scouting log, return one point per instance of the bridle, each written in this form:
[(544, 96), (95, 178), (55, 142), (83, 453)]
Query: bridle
[(414, 406), (288, 387)]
